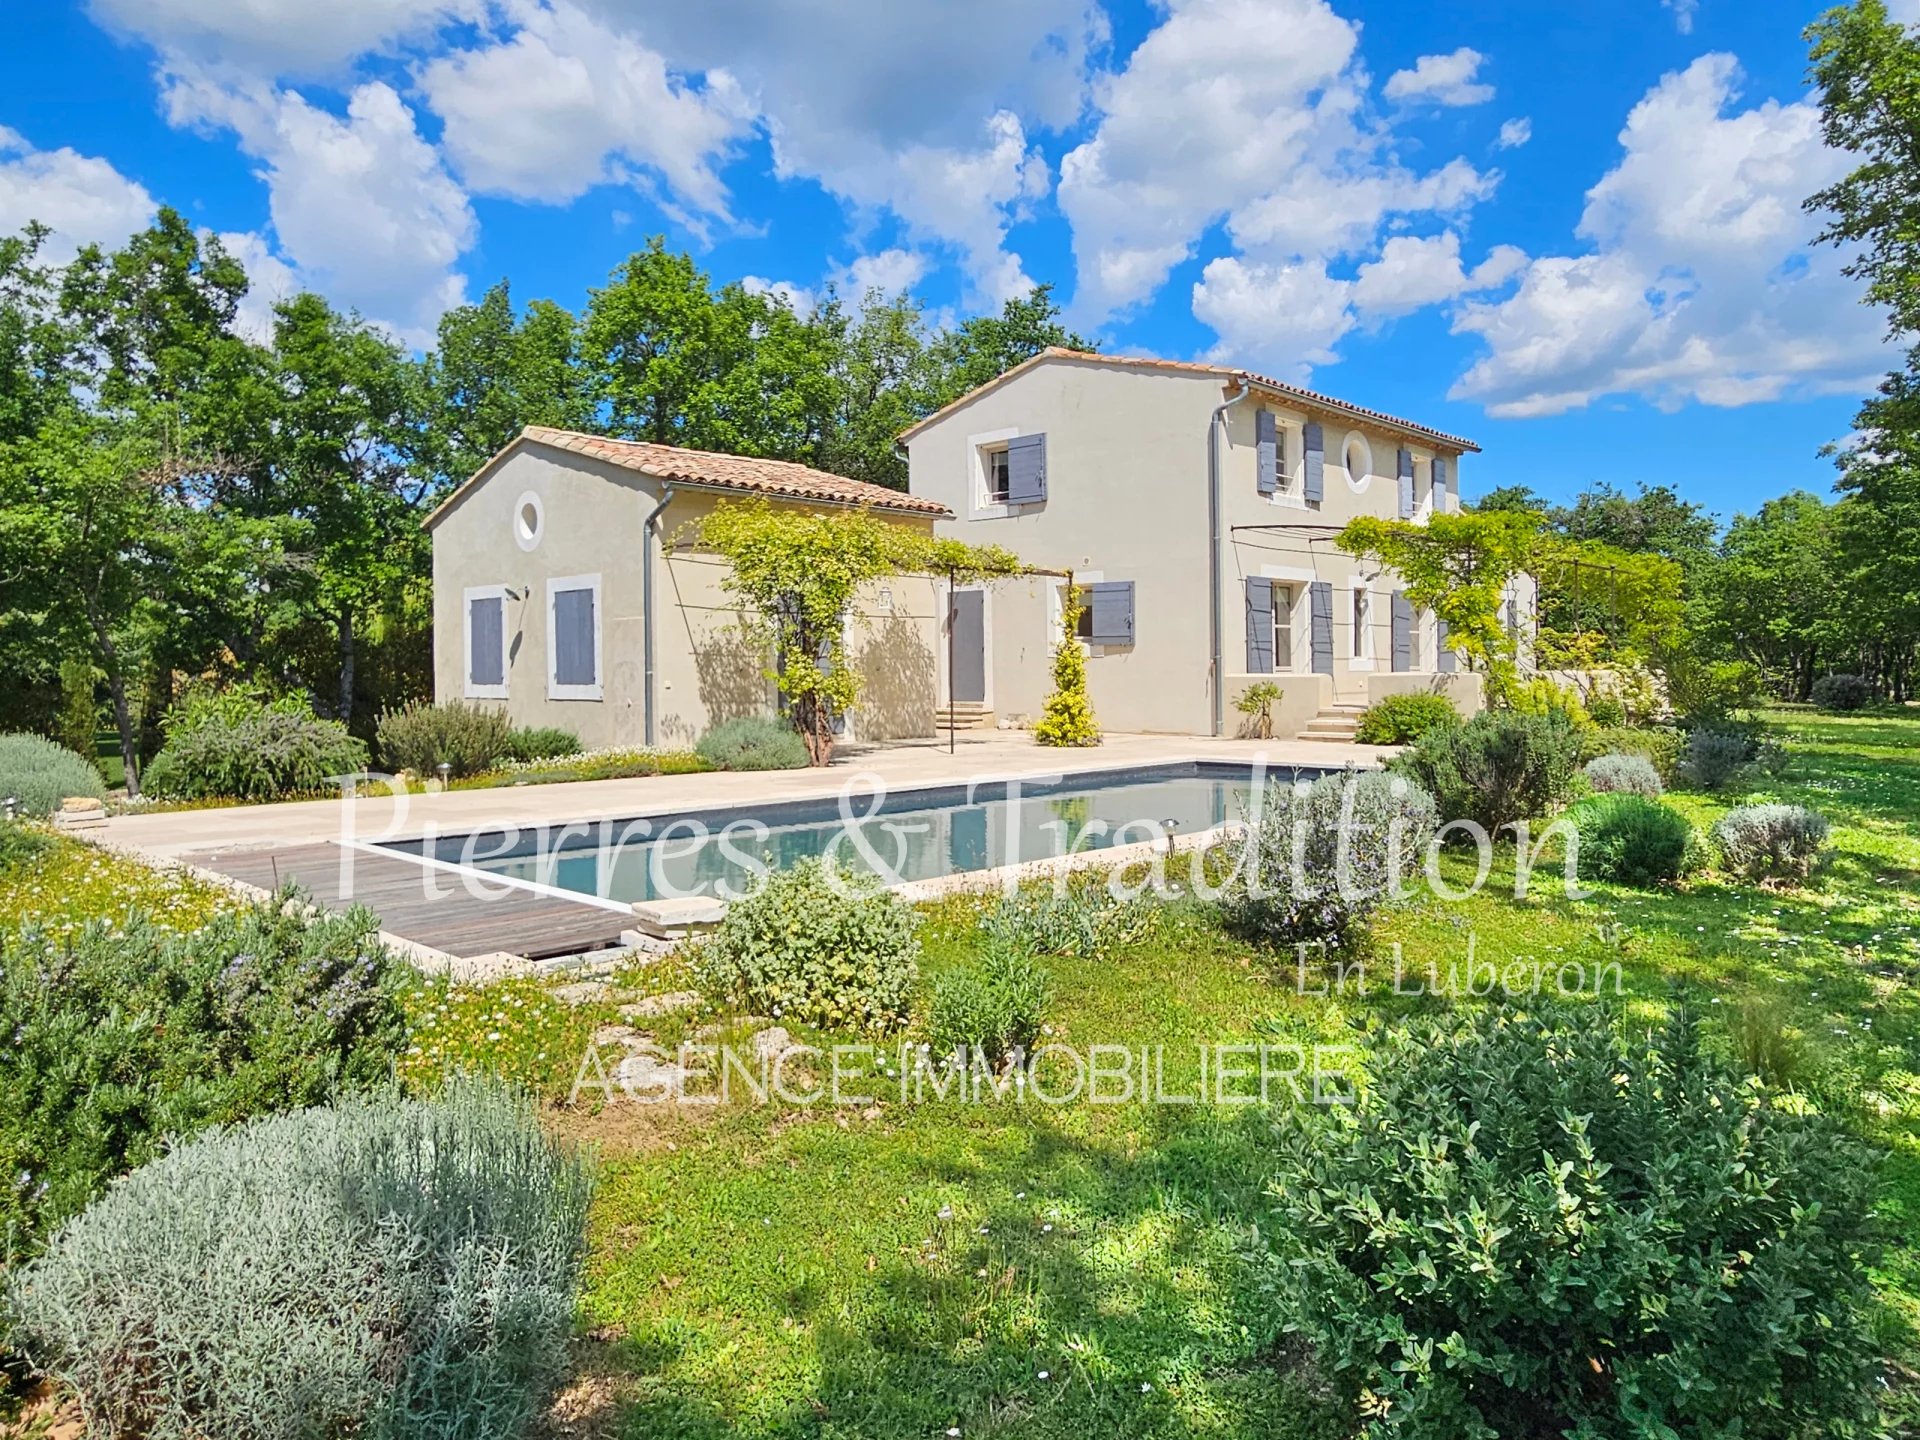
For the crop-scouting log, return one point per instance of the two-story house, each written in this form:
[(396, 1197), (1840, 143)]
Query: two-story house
[(1195, 507)]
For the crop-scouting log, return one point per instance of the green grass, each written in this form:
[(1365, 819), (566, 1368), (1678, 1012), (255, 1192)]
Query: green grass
[(761, 1271)]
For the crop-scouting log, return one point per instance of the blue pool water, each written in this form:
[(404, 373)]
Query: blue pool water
[(909, 835)]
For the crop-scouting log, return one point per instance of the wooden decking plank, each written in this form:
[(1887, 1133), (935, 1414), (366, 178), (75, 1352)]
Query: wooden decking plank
[(519, 922)]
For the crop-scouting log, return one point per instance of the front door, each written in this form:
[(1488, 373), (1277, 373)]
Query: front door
[(969, 622)]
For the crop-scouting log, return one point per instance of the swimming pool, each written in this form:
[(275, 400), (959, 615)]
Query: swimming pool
[(905, 835)]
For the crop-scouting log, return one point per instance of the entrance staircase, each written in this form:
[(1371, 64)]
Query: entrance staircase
[(963, 715), (1336, 723)]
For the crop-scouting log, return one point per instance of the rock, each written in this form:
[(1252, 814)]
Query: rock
[(672, 919), (647, 1076), (584, 992), (80, 804), (769, 1045), (654, 1006), (618, 1035)]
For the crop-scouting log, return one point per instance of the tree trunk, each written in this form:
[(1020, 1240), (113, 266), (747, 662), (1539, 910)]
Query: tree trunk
[(347, 661), (117, 689)]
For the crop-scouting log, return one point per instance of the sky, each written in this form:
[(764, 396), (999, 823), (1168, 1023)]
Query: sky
[(1572, 232)]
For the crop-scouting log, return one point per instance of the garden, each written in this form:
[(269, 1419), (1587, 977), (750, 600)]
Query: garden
[(1678, 1193)]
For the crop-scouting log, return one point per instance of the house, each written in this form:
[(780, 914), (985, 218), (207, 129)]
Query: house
[(1195, 506), (557, 592)]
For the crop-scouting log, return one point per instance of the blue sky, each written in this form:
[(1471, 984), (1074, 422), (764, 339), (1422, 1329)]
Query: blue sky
[(1570, 232)]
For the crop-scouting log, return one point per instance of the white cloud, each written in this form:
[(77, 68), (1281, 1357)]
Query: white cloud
[(1683, 13), (1514, 133), (81, 198), (1700, 283), (891, 272), (1249, 305), (1442, 80), (263, 39), (361, 206), (269, 281), (567, 103), (799, 297), (1414, 272), (1273, 140)]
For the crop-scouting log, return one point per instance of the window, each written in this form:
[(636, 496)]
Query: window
[(1357, 456), (1282, 626), (529, 521), (486, 642), (994, 463), (1083, 626), (1282, 469), (573, 638), (1362, 621)]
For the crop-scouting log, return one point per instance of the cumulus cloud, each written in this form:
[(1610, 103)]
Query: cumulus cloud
[(1699, 283), (1246, 303), (891, 272), (566, 103), (1514, 133), (1414, 272), (263, 39), (361, 204), (270, 279), (1683, 13), (1442, 80), (81, 199), (800, 298)]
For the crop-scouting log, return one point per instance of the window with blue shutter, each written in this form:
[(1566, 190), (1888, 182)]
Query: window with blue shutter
[(1109, 612), (1405, 473), (486, 644), (1444, 660), (1027, 469), (1266, 441), (1402, 633), (1441, 479), (1260, 658), (573, 638), (1320, 625), (1313, 485)]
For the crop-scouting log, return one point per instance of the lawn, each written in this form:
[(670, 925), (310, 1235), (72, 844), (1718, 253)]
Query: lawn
[(932, 1267)]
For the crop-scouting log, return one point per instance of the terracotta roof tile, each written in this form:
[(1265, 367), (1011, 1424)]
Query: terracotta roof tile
[(706, 469), (1225, 372)]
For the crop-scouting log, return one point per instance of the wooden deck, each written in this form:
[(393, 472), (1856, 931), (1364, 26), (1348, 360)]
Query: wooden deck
[(430, 907)]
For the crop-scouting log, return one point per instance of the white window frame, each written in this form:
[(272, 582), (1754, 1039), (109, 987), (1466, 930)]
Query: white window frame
[(1360, 649), (555, 690), (980, 502), (1355, 437), (1299, 616), (528, 539), (1290, 447), (467, 597)]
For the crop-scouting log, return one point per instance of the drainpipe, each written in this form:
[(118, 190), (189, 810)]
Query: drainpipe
[(1213, 551), (647, 537)]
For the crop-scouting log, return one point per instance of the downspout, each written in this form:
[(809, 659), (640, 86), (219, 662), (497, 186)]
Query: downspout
[(1218, 685), (647, 537)]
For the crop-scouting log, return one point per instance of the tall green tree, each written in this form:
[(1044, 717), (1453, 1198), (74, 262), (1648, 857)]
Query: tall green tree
[(886, 380), (1776, 596), (987, 346)]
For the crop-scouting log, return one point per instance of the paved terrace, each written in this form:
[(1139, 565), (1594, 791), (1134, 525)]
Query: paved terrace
[(268, 845)]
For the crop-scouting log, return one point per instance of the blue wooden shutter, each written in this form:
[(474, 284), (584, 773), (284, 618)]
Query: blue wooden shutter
[(486, 624), (1026, 469), (1441, 479), (1320, 599), (1444, 660), (1402, 633), (1405, 473), (1313, 468), (573, 658), (1110, 606), (1266, 436), (1259, 626)]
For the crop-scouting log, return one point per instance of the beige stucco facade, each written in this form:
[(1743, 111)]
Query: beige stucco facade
[(542, 517), (1126, 456)]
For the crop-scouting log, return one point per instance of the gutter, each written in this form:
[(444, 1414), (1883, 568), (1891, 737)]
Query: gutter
[(1213, 550), (648, 534)]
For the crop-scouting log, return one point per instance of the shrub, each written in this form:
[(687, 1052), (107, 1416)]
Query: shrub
[(1705, 692), (127, 1034), (1541, 696), (1499, 767), (39, 774), (1771, 842), (1082, 919), (544, 742), (1627, 774), (1403, 719), (1606, 709), (21, 845), (815, 947), (1661, 746), (1066, 716), (1713, 759), (238, 747), (470, 738), (1529, 1225), (384, 1268), (621, 764), (1844, 692), (994, 1008), (752, 742), (1632, 840), (1354, 836), (1256, 703)]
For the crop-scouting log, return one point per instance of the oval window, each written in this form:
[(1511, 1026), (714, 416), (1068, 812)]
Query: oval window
[(528, 520), (1359, 460)]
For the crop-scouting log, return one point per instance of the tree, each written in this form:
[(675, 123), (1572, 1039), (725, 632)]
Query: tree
[(886, 379), (1654, 522), (797, 574), (1512, 497), (1067, 716), (1776, 595), (987, 346)]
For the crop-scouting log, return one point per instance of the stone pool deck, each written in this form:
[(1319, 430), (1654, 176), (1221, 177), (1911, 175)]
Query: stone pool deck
[(259, 846)]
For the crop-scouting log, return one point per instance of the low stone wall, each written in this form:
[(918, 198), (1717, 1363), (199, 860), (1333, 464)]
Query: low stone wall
[(1464, 688)]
